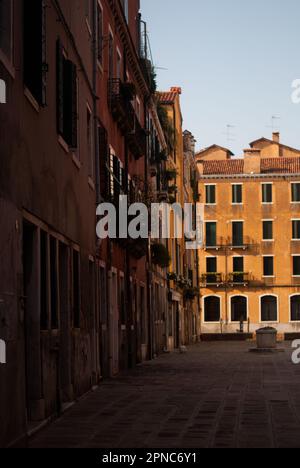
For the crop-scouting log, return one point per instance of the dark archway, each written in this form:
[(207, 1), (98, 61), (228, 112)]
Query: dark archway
[(239, 306), (212, 309)]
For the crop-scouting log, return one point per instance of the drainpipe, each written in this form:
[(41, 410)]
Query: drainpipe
[(96, 342)]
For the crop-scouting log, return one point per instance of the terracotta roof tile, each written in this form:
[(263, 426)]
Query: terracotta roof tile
[(229, 167), (167, 97), (280, 165), (236, 166)]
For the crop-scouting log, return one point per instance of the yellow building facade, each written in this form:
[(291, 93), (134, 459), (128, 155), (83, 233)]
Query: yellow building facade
[(250, 261)]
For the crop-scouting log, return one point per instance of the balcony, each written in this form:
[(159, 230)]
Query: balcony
[(212, 279), (212, 246), (239, 279), (137, 140), (239, 246), (120, 106)]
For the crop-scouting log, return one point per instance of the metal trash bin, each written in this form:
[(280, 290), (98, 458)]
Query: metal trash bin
[(266, 338)]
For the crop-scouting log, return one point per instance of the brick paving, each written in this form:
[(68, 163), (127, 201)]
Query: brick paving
[(217, 395)]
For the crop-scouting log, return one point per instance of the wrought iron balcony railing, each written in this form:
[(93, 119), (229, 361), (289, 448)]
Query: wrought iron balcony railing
[(212, 279), (120, 106), (239, 278)]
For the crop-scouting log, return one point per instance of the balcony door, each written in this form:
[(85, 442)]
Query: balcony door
[(238, 233)]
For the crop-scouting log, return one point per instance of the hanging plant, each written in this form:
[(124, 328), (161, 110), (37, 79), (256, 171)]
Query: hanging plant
[(170, 174), (172, 200), (172, 189), (160, 255), (162, 156), (172, 276)]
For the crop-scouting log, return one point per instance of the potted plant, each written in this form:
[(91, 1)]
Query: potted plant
[(171, 174), (172, 276)]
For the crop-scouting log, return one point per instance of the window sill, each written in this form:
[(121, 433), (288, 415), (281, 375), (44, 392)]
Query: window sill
[(268, 240), (63, 144), (88, 26), (76, 161), (32, 100), (8, 65), (91, 184)]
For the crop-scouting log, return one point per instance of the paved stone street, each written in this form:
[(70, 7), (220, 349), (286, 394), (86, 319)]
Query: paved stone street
[(216, 395)]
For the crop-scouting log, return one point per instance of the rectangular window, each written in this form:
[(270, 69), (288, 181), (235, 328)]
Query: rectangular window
[(238, 233), (268, 266), (237, 194), (210, 191), (34, 49), (119, 66), (99, 34), (296, 229), (238, 265), (211, 234), (296, 265), (238, 269), (67, 98), (211, 269), (6, 29), (44, 280), (76, 290), (267, 230), (296, 192), (89, 137), (111, 57), (267, 193), (54, 283)]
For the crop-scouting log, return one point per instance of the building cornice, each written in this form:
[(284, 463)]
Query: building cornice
[(249, 176), (128, 45)]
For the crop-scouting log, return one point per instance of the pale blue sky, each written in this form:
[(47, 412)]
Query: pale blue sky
[(235, 61)]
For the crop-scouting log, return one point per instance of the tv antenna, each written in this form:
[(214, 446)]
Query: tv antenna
[(273, 125), (230, 136)]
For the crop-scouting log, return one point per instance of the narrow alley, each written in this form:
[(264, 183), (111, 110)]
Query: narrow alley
[(216, 395)]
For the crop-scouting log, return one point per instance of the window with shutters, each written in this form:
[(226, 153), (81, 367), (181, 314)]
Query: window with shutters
[(67, 98), (89, 138), (296, 229), (237, 194), (296, 266), (6, 29), (268, 264), (295, 192), (269, 309), (267, 193), (35, 66), (238, 233), (211, 234), (268, 230), (210, 192), (104, 162)]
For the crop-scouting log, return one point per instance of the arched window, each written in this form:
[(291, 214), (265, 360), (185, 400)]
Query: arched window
[(295, 308), (269, 309), (239, 309), (212, 309)]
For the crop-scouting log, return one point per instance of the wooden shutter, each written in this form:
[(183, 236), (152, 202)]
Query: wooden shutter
[(60, 87), (33, 48), (70, 103), (104, 162)]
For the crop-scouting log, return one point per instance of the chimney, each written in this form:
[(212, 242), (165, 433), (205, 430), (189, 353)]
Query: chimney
[(252, 158), (276, 137), (176, 90)]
